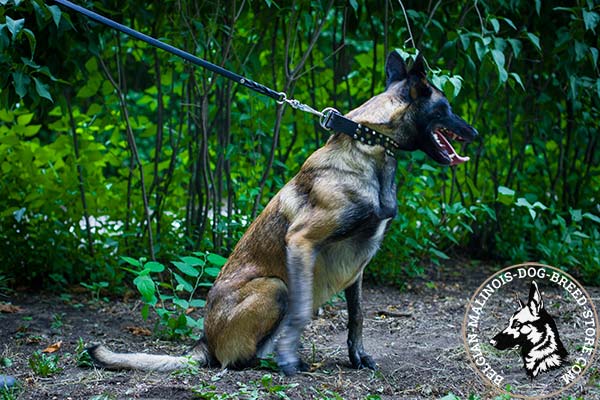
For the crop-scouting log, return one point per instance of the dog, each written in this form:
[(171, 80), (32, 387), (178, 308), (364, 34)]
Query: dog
[(534, 330), (317, 234)]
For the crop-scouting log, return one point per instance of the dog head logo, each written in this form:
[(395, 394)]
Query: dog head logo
[(534, 331)]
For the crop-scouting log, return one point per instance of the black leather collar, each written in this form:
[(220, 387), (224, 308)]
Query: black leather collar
[(335, 121)]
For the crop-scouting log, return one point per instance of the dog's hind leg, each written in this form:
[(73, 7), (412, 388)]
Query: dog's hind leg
[(241, 324), (358, 357)]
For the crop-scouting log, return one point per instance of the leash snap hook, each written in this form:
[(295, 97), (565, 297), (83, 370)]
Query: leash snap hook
[(325, 117)]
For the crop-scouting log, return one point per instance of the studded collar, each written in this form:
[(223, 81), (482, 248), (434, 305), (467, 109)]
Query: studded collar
[(338, 123)]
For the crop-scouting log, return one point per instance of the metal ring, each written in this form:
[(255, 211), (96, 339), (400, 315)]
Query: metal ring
[(325, 117), (282, 98)]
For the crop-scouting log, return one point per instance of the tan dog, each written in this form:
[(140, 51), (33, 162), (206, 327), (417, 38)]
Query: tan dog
[(316, 235)]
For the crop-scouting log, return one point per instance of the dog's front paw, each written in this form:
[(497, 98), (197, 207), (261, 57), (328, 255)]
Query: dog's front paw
[(360, 360), (292, 366)]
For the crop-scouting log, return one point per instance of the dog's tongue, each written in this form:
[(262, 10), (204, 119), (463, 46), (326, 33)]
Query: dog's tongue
[(455, 158)]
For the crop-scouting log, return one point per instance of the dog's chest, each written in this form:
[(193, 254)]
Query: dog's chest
[(339, 264)]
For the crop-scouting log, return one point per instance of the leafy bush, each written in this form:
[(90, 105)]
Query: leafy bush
[(169, 292), (109, 147)]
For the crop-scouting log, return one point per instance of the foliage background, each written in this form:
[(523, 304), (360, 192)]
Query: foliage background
[(109, 147)]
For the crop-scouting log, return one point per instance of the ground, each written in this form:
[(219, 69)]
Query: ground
[(414, 335)]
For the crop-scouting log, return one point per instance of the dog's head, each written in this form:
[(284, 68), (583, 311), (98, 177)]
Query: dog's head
[(523, 325), (415, 113)]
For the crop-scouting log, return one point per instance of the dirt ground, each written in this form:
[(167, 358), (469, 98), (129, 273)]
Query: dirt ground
[(413, 335)]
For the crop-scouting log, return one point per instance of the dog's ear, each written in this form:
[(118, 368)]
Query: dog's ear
[(521, 305), (419, 86), (535, 303), (395, 69), (418, 67)]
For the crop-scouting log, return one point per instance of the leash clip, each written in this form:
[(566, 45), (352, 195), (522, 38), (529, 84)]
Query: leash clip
[(325, 117)]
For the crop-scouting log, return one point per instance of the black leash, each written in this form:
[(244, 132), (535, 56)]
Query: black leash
[(330, 118)]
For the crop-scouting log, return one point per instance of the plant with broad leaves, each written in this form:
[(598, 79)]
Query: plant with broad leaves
[(170, 292)]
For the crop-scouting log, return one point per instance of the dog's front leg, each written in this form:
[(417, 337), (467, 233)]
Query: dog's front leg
[(358, 357), (300, 268)]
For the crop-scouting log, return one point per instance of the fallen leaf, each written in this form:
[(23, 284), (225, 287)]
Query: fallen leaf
[(53, 347), (9, 308), (139, 331)]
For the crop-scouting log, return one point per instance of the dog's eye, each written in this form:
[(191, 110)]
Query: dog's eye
[(516, 325)]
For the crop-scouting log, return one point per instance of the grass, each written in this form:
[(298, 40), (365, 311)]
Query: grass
[(44, 365)]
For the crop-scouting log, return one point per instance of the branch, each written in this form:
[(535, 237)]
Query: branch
[(136, 155)]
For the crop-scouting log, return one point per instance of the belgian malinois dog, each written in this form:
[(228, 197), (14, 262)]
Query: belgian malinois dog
[(316, 235)]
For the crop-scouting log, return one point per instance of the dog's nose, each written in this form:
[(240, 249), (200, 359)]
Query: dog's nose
[(493, 342), (475, 133)]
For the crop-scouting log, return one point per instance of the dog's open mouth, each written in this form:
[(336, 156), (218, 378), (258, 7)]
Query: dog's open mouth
[(445, 149)]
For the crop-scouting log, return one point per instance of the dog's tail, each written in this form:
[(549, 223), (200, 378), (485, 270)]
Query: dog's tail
[(103, 357)]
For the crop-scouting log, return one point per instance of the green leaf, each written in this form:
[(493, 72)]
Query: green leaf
[(590, 19), (581, 235), (154, 266), (28, 131), (495, 24), (186, 268), (450, 396), (509, 23), (56, 13), (580, 50), (427, 167), (42, 89), (131, 261), (439, 254), (573, 84), (516, 46), (24, 119), (91, 87), (354, 4), (181, 303), (592, 217), (594, 55), (146, 286), (480, 49), (216, 259), (535, 40), (576, 215), (465, 40), (522, 202), (185, 285), (456, 82), (197, 303), (503, 190), (498, 58), (194, 261), (31, 38), (517, 79), (21, 82), (212, 271), (14, 26), (19, 214), (145, 311)]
